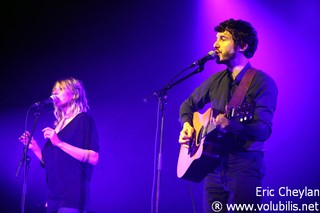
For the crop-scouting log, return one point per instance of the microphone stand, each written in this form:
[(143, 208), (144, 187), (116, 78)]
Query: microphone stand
[(162, 95), (25, 160)]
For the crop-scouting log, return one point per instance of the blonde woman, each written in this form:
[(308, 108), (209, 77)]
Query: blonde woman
[(71, 149)]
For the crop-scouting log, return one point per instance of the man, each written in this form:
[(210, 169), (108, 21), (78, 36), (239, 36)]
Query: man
[(240, 166)]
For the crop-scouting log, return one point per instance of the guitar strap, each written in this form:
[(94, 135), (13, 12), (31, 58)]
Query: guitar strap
[(239, 94)]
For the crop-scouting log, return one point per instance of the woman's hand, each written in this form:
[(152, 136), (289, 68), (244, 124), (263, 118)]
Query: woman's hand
[(24, 138), (51, 134)]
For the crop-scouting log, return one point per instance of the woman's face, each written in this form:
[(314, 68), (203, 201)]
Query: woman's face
[(63, 94)]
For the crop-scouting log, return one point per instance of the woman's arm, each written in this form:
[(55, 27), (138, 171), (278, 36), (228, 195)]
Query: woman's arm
[(83, 155)]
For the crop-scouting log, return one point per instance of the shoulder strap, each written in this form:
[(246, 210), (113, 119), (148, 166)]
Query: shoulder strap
[(242, 89)]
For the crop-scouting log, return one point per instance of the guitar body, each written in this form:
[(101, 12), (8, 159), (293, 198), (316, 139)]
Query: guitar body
[(201, 157), (198, 160)]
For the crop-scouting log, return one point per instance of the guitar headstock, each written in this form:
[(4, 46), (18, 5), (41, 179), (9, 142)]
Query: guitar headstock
[(242, 113)]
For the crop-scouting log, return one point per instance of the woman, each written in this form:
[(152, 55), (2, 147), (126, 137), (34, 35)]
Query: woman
[(71, 149)]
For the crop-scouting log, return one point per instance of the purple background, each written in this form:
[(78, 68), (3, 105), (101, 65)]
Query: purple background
[(124, 52)]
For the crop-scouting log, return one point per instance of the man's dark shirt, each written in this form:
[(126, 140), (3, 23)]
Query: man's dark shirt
[(218, 90)]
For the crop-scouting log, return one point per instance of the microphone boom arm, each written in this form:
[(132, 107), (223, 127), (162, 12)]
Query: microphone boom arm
[(163, 92)]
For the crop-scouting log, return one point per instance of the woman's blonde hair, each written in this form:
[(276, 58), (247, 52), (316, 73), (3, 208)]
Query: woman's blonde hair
[(79, 101)]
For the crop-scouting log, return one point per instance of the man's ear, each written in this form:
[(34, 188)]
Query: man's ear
[(243, 48)]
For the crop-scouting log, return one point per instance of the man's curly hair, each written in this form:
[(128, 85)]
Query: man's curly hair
[(242, 33)]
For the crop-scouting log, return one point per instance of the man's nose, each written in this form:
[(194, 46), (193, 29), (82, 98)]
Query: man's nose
[(215, 45)]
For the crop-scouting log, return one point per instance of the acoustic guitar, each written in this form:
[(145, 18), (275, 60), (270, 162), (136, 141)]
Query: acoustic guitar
[(202, 155)]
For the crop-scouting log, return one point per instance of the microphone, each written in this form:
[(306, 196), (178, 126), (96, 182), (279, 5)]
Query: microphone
[(210, 56), (45, 102)]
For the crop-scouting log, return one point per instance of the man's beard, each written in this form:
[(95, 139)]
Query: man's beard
[(227, 57)]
